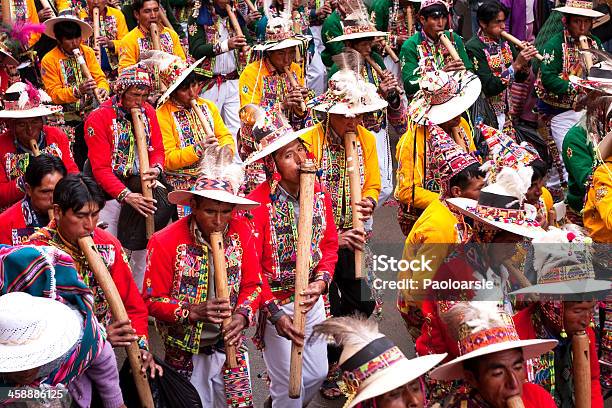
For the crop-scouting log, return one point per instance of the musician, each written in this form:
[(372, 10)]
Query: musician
[(332, 28), (64, 81), (497, 62), (25, 124), (24, 217), (112, 152), (597, 209), (112, 30), (184, 136), (77, 201), (424, 51), (275, 219), (556, 94), (138, 40), (179, 284), (211, 35)]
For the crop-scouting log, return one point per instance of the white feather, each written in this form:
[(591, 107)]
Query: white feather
[(352, 331), (477, 316)]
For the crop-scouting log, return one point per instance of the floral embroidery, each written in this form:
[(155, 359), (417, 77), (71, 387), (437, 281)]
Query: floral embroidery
[(15, 164), (193, 29), (569, 152), (601, 193)]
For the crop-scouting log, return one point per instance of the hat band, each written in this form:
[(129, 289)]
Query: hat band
[(587, 5), (279, 35), (505, 215), (272, 137), (568, 273), (444, 94), (357, 28), (487, 337), (14, 105), (208, 184), (354, 378)]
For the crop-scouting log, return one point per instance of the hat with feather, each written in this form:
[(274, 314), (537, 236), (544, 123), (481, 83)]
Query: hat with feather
[(357, 24), (23, 100), (279, 33), (599, 77), (372, 364), (220, 179), (482, 328)]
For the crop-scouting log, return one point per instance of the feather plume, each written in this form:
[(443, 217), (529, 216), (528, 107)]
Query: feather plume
[(602, 57), (19, 33), (347, 331), (267, 9), (512, 182), (349, 59), (477, 316), (157, 59), (288, 6), (217, 164)]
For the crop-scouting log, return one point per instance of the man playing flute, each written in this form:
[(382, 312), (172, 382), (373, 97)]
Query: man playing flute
[(180, 283), (275, 221)]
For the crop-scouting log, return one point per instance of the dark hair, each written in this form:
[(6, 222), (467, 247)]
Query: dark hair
[(66, 30), (40, 166), (74, 191), (539, 170), (188, 81), (137, 5), (434, 9), (463, 178), (489, 10)]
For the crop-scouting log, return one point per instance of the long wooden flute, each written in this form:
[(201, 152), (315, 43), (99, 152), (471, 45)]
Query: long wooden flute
[(380, 71), (581, 360), (297, 28), (221, 290), (7, 12), (104, 279), (302, 270), (294, 85), (449, 46), (198, 111), (234, 22), (86, 72), (352, 168), (164, 19), (409, 19), (154, 30), (96, 28), (143, 161), (509, 37), (515, 402), (250, 5), (588, 58), (391, 53)]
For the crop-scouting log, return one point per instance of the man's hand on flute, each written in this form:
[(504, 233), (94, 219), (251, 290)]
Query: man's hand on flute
[(210, 311), (284, 328), (87, 86), (388, 85), (522, 59), (323, 11), (293, 99), (45, 14), (145, 206), (102, 94), (121, 333), (454, 66), (252, 16), (352, 239), (312, 293), (237, 41), (148, 364), (366, 208), (233, 332)]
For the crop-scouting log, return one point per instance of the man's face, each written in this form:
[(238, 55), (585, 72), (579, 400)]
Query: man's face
[(363, 47), (579, 25), (184, 95), (27, 129), (342, 124), (499, 376), (42, 196), (503, 247), (147, 14), (69, 45), (472, 190), (577, 316), (407, 396), (134, 98), (100, 4), (450, 124), (535, 191), (281, 58), (211, 215), (494, 27), (432, 25), (289, 159), (74, 225)]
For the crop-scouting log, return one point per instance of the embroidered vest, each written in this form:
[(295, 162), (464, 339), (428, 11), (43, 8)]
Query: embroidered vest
[(108, 29), (15, 164), (124, 161)]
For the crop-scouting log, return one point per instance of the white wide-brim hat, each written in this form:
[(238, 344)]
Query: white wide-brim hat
[(86, 29), (6, 58), (182, 197), (356, 36), (394, 376), (567, 287), (466, 205), (458, 104), (35, 331), (341, 108), (286, 43), (579, 11), (42, 110), (278, 143), (453, 370), (172, 87)]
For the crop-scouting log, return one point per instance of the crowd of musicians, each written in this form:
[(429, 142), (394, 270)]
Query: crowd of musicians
[(199, 168)]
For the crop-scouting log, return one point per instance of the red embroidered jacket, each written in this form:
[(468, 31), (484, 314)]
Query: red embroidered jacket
[(115, 260), (526, 331), (14, 164), (177, 275), (13, 229), (102, 132), (280, 280)]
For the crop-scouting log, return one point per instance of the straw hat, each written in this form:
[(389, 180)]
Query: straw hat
[(443, 96), (34, 331), (564, 264), (501, 204), (357, 25), (86, 29), (483, 328), (372, 365), (220, 179), (579, 8), (25, 101), (600, 75), (348, 94)]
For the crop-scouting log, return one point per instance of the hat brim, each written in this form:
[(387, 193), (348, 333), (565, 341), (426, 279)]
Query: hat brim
[(275, 145), (166, 95), (62, 332), (463, 205), (182, 197), (458, 104), (567, 288), (30, 113), (593, 84), (396, 375), (579, 11), (7, 59), (340, 108), (356, 36), (453, 370), (281, 45), (86, 29)]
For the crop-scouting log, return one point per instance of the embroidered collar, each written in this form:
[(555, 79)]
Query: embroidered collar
[(427, 38), (284, 195)]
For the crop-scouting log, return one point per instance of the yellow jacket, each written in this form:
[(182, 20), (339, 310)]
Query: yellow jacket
[(597, 213), (251, 82), (57, 64), (314, 139), (135, 42), (115, 34), (182, 132), (409, 173)]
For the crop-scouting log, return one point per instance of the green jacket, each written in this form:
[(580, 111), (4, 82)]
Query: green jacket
[(331, 28), (410, 58), (130, 20), (578, 156)]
